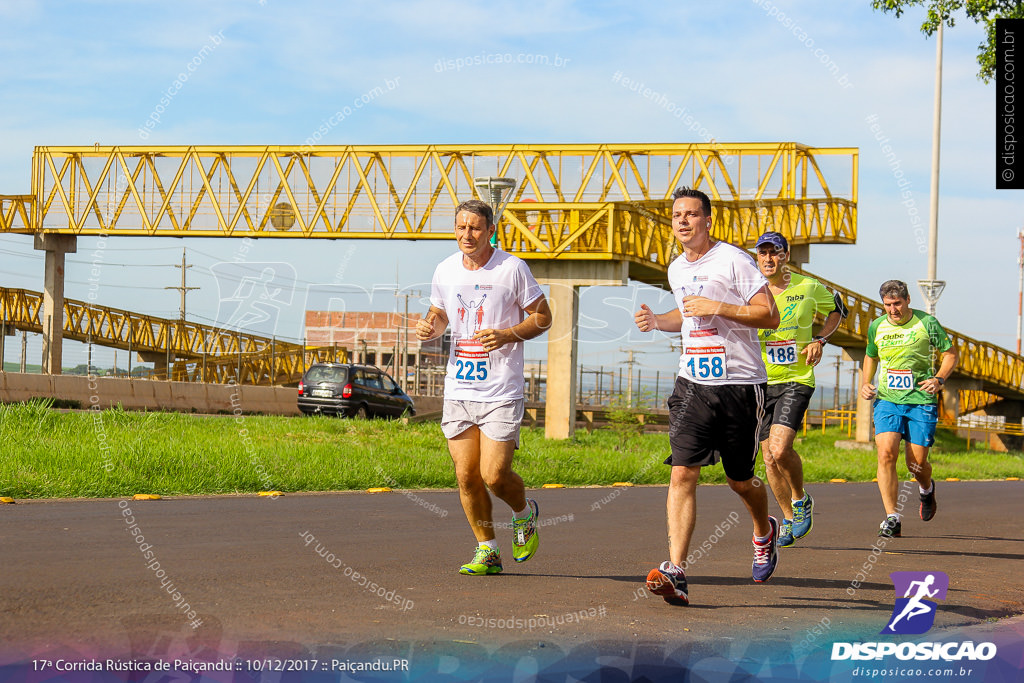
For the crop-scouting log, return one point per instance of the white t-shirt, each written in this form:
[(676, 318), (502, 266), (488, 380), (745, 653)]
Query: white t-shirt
[(492, 297), (717, 350)]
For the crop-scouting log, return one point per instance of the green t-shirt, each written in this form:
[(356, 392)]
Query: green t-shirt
[(906, 355), (781, 348)]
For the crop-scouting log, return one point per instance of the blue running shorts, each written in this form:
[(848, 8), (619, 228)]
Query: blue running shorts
[(916, 422)]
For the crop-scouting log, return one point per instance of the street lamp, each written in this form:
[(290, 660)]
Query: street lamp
[(496, 192)]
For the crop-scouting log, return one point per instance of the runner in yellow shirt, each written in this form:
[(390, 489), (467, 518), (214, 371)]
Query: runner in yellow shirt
[(789, 355)]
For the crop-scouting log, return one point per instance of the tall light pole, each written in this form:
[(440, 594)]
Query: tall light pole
[(932, 288), (1020, 286)]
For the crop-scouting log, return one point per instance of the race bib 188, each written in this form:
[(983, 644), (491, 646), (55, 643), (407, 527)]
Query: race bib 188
[(781, 352)]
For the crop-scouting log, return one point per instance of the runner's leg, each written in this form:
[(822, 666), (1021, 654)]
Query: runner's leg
[(917, 463), (888, 444), (476, 502), (682, 511), (783, 468), (754, 496), (497, 473)]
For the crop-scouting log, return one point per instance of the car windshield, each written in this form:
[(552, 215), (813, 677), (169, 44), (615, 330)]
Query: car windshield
[(327, 374)]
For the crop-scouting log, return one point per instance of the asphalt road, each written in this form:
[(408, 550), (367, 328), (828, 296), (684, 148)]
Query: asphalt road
[(241, 576)]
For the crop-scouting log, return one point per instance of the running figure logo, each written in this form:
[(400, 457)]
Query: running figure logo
[(688, 291), (471, 313), (253, 295), (914, 613)]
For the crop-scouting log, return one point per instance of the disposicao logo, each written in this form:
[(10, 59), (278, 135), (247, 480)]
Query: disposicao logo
[(914, 613)]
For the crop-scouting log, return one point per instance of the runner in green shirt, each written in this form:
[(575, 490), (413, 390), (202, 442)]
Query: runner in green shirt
[(903, 345), (790, 354)]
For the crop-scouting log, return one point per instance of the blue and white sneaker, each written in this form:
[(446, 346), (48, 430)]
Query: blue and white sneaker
[(670, 583), (766, 556), (786, 535), (802, 520)]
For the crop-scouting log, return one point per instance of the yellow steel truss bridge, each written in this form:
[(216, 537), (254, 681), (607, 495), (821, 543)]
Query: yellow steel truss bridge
[(573, 202), (199, 353)]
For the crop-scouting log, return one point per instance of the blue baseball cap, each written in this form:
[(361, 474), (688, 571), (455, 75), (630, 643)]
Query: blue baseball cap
[(773, 238)]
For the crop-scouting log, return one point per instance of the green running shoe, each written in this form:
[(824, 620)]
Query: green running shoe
[(485, 561), (524, 534)]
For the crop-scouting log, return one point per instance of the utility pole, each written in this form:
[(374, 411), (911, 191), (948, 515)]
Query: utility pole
[(403, 338), (183, 288), (854, 371), (629, 377), (835, 395), (181, 324)]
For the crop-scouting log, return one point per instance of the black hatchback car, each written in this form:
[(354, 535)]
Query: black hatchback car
[(352, 390)]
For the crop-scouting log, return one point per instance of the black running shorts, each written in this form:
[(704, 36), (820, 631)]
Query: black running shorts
[(708, 423), (785, 404)]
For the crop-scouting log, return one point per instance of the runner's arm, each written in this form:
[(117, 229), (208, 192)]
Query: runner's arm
[(867, 373), (814, 348), (759, 312), (647, 320), (537, 323), (432, 325), (950, 357), (832, 322)]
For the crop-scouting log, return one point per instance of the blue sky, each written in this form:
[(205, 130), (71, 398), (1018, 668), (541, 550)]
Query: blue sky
[(77, 73)]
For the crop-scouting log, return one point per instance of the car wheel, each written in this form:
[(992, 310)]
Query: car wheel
[(361, 413)]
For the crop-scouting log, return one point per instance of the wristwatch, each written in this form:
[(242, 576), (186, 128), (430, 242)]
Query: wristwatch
[(821, 340), (941, 381)]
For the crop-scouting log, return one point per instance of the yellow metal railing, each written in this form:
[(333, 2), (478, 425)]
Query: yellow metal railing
[(971, 428), (845, 418)]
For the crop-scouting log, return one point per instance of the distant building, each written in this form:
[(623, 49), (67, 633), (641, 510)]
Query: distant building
[(376, 338)]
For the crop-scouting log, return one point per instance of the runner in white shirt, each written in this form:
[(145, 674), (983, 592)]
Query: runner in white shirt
[(493, 305), (715, 409)]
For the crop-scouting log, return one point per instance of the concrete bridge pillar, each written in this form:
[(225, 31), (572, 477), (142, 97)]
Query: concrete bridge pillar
[(564, 279), (949, 407), (7, 331), (52, 315), (159, 360)]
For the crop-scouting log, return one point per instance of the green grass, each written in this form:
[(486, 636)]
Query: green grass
[(48, 454)]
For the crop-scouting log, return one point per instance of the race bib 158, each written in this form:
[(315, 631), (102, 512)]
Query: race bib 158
[(705, 362)]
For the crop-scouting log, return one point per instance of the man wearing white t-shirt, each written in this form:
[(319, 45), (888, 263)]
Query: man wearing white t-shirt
[(493, 305), (717, 403)]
